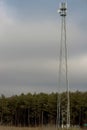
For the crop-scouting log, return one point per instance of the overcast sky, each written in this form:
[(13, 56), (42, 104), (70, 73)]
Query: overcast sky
[(29, 45)]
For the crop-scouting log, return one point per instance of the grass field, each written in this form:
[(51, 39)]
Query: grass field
[(37, 128)]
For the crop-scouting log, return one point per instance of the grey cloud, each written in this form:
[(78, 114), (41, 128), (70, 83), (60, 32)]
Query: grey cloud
[(29, 54)]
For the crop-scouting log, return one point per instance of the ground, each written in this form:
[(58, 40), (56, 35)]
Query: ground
[(37, 128)]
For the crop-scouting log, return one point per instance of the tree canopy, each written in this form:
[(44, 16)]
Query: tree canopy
[(41, 109)]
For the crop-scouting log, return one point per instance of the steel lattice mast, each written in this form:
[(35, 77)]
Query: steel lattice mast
[(61, 109)]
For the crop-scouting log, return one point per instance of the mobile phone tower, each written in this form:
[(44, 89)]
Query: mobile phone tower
[(63, 103)]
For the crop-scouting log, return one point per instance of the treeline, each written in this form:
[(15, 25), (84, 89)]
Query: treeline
[(41, 109)]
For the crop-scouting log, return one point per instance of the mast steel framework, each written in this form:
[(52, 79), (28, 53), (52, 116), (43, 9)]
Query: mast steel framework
[(63, 110)]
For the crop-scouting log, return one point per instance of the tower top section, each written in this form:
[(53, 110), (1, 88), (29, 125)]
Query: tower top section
[(63, 9)]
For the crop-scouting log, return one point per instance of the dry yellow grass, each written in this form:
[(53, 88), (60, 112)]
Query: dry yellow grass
[(36, 128), (18, 128)]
